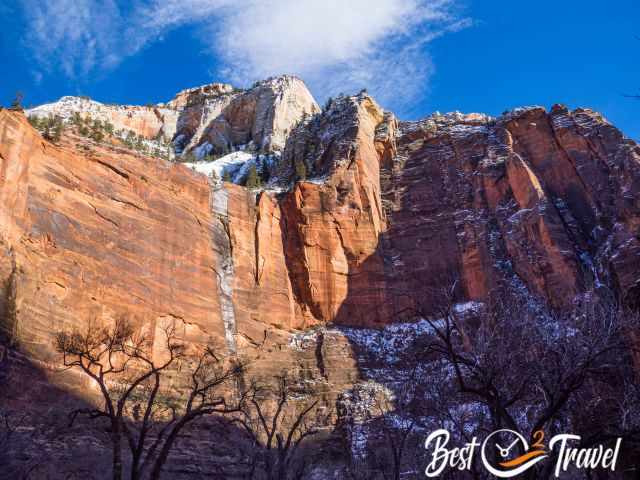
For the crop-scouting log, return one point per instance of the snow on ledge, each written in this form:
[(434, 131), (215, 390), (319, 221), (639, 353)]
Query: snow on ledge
[(236, 164)]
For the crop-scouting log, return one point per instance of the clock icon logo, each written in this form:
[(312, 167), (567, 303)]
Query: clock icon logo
[(511, 452)]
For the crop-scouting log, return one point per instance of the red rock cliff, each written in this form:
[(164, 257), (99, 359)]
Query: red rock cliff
[(544, 203)]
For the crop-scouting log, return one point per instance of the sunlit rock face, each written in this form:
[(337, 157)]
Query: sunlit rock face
[(98, 233), (209, 120), (317, 271), (385, 215), (151, 122), (261, 117)]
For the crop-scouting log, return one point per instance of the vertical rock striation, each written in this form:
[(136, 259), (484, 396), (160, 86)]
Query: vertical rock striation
[(542, 203), (222, 247), (99, 233)]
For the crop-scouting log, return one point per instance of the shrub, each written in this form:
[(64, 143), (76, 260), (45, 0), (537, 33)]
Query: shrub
[(51, 128), (34, 121), (301, 170), (76, 119), (56, 133), (188, 157), (96, 135), (265, 175)]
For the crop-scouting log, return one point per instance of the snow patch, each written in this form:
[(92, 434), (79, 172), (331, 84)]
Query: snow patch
[(468, 307), (236, 164)]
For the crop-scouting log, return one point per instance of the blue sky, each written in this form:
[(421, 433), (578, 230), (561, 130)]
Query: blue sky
[(414, 56)]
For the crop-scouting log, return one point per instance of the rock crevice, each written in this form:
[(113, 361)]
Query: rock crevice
[(543, 203)]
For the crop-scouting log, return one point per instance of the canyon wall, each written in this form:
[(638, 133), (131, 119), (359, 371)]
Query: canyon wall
[(90, 235), (544, 204), (318, 272)]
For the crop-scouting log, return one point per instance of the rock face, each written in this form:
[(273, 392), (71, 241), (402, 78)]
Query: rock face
[(364, 220), (538, 201), (150, 122), (211, 119), (98, 234), (261, 117), (542, 203), (334, 227)]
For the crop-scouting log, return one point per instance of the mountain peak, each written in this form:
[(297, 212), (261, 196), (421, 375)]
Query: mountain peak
[(208, 120), (197, 95)]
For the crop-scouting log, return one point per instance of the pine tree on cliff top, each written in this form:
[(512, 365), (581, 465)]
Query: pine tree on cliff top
[(57, 129), (253, 178), (16, 104), (34, 121), (76, 119)]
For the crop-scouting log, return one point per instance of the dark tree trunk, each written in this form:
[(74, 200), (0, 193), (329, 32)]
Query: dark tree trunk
[(166, 448), (117, 450)]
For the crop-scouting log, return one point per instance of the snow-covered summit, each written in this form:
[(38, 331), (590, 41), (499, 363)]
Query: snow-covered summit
[(66, 106), (149, 122), (211, 119), (260, 118)]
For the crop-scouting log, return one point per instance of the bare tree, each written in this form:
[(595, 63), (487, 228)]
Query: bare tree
[(141, 413), (528, 370), (395, 418), (277, 428)]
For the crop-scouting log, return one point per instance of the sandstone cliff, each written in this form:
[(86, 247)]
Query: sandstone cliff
[(211, 119), (150, 122), (542, 203)]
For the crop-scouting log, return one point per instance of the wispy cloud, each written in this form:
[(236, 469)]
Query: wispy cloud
[(334, 45), (74, 36)]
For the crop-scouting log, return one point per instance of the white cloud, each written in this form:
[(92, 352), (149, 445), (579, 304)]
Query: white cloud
[(334, 45)]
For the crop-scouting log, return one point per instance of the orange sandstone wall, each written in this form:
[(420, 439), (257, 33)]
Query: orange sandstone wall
[(543, 203)]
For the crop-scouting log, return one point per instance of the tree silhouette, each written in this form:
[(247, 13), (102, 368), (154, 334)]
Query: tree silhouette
[(301, 170), (277, 428), (141, 413), (16, 103)]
